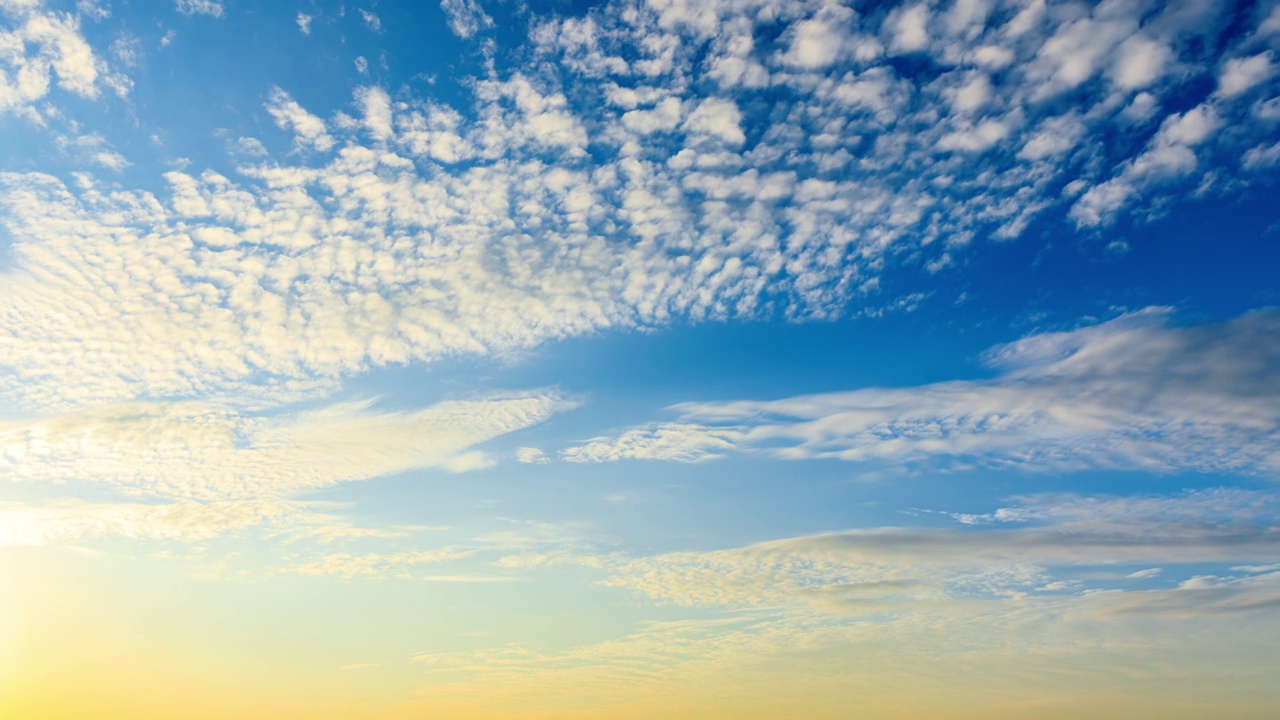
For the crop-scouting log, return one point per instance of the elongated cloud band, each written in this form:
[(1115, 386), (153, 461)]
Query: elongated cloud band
[(1133, 392), (210, 453)]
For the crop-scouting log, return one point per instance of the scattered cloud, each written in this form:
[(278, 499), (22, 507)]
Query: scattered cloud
[(411, 230)]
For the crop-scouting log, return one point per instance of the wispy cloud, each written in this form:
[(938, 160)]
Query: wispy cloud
[(1134, 392), (212, 8), (208, 452), (947, 601), (63, 522)]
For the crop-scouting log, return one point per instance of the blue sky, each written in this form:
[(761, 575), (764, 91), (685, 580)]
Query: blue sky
[(824, 339)]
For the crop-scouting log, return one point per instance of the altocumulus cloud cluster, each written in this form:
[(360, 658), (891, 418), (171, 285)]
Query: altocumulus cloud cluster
[(643, 162)]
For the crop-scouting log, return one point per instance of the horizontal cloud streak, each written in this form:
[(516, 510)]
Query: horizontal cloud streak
[(1133, 392), (207, 452)]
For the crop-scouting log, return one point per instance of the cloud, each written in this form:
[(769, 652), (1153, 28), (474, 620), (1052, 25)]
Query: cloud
[(39, 46), (908, 28), (212, 453), (1134, 392), (941, 603), (377, 564), (531, 456), (212, 8), (73, 521), (892, 568), (465, 17), (289, 115), (1239, 75), (655, 163)]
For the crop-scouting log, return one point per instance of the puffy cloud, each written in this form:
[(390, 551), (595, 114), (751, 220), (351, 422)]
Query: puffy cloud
[(1133, 392), (1239, 75), (908, 28), (39, 46), (1139, 62)]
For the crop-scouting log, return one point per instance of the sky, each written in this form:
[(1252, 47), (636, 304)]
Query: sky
[(639, 359)]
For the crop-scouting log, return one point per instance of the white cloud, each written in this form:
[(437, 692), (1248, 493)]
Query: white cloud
[(1239, 75), (1169, 156), (890, 569), (717, 118), (289, 115), (1139, 62), (465, 17), (1132, 393), (1054, 137), (978, 138), (1262, 156), (304, 23), (665, 441), (1271, 24), (212, 8), (37, 47), (371, 20), (818, 42), (376, 106), (211, 453), (908, 28), (531, 456)]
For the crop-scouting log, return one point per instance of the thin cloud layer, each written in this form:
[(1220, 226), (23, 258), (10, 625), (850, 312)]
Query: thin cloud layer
[(1024, 550), (1134, 392), (205, 452), (70, 522)]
